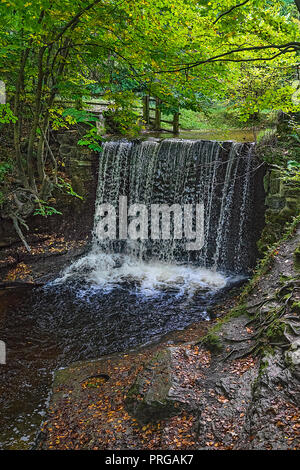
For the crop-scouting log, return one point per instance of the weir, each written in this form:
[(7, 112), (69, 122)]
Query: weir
[(225, 177)]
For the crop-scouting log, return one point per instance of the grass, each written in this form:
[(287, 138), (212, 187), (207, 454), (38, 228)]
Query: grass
[(196, 120), (219, 116)]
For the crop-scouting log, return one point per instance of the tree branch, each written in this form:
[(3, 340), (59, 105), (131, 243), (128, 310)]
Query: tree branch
[(283, 49), (230, 10), (74, 20)]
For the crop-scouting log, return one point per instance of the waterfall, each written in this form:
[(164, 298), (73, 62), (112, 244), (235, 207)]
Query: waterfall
[(219, 175)]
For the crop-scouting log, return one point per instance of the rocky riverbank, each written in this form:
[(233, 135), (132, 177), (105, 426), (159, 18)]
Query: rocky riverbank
[(234, 386)]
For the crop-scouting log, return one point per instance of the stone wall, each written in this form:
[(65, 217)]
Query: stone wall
[(81, 167), (283, 203)]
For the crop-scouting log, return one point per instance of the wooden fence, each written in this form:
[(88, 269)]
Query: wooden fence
[(154, 121)]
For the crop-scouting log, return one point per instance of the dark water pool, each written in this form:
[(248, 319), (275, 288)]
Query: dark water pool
[(49, 327)]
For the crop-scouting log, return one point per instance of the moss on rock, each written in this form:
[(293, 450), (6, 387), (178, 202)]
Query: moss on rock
[(297, 258), (148, 399)]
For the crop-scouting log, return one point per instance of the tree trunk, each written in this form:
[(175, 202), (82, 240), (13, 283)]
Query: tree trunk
[(17, 125), (36, 117)]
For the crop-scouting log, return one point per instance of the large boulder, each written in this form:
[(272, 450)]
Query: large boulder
[(156, 393)]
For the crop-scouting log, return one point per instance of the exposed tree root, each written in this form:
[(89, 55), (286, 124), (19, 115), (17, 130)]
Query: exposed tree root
[(16, 219), (276, 327)]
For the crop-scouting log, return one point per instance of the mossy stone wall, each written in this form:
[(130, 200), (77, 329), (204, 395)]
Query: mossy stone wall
[(283, 203)]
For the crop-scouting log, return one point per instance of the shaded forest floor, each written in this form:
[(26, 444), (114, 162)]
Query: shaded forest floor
[(49, 254)]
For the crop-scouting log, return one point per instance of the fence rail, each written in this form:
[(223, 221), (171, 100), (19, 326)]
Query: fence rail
[(146, 108)]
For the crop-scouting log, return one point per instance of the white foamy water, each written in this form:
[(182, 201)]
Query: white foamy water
[(107, 271)]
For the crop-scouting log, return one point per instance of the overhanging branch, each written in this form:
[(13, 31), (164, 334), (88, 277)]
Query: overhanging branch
[(231, 9), (282, 49)]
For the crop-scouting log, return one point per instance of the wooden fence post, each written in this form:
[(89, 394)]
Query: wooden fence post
[(79, 103), (157, 122), (146, 111), (176, 123)]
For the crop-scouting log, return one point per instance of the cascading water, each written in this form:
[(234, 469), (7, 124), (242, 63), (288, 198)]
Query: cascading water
[(221, 176), (125, 293)]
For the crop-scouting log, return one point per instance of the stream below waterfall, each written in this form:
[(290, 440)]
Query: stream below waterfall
[(128, 293), (65, 321)]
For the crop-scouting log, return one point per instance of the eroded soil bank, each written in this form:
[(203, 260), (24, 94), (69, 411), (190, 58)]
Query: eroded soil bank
[(235, 387)]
